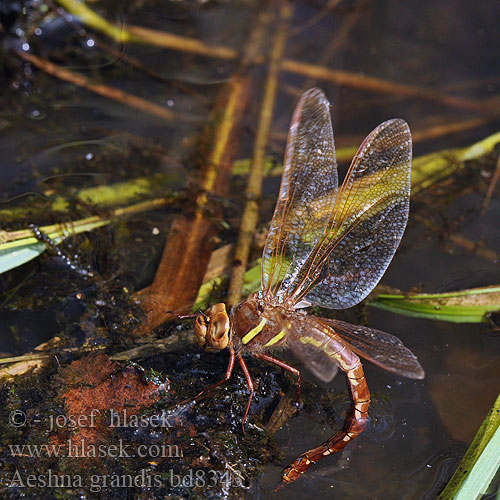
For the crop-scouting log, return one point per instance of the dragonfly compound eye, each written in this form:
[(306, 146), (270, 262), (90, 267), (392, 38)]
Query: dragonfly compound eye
[(200, 328), (218, 331), (212, 328)]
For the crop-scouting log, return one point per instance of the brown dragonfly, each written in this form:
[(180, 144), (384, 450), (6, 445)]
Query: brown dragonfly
[(327, 246)]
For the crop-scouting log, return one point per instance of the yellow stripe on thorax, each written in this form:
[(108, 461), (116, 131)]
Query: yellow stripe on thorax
[(276, 338), (255, 331)]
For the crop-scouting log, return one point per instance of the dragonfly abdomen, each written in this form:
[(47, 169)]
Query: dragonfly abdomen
[(354, 425)]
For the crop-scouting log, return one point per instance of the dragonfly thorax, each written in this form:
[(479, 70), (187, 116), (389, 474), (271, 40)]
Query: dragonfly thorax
[(254, 324), (257, 323)]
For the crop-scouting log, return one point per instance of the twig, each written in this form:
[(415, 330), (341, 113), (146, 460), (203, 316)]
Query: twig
[(100, 197), (20, 365), (475, 248), (43, 355), (138, 34), (373, 84), (346, 153), (324, 60), (461, 241), (491, 187), (447, 128), (102, 89), (10, 239), (120, 54), (319, 16), (473, 84), (172, 343), (193, 237), (250, 216), (285, 410), (337, 42), (219, 262), (180, 43)]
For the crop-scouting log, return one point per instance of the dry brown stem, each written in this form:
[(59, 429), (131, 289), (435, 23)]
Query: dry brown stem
[(491, 187), (373, 84), (99, 88), (459, 240), (250, 216), (193, 237), (137, 34)]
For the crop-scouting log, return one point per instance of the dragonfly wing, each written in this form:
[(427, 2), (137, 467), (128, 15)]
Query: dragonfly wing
[(379, 347), (308, 190), (366, 224), (312, 347)]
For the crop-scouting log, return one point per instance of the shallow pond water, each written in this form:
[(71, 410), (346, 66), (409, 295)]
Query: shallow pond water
[(375, 59)]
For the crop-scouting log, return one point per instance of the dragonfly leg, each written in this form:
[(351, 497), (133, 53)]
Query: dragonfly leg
[(205, 392), (250, 387), (284, 365), (354, 424)]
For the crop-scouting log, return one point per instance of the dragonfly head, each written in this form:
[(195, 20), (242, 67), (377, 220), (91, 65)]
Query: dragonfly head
[(212, 328)]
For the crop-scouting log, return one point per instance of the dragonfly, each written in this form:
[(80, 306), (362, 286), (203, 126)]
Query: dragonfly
[(327, 246)]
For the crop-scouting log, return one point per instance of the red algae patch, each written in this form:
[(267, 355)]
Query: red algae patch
[(99, 395)]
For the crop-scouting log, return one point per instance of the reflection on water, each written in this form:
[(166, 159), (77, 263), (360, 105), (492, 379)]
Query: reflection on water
[(58, 139)]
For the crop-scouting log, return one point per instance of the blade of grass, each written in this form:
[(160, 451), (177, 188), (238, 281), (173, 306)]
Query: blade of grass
[(19, 247), (428, 169), (11, 258), (101, 197), (480, 463), (465, 306)]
